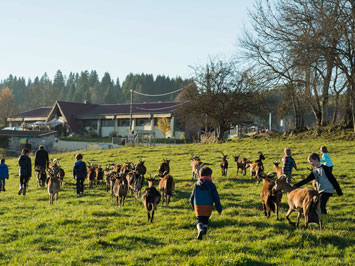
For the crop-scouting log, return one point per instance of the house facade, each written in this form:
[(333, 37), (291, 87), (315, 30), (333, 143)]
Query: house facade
[(102, 119)]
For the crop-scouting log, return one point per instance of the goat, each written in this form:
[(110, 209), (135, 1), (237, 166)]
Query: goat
[(99, 174), (91, 175), (140, 167), (120, 189), (277, 168), (270, 201), (255, 170), (135, 183), (164, 167), (224, 164), (166, 187), (196, 165), (107, 177), (260, 160), (126, 167), (58, 170), (53, 185), (151, 197), (242, 163), (306, 199), (41, 176)]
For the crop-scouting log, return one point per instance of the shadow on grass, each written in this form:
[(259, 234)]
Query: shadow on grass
[(125, 243)]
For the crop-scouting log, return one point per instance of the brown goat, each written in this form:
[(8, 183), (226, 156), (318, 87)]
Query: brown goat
[(135, 183), (53, 185), (126, 167), (166, 187), (151, 197), (99, 174), (306, 199), (140, 167), (242, 163), (270, 202), (255, 170), (224, 164), (120, 189), (91, 175), (277, 169), (164, 167), (196, 165)]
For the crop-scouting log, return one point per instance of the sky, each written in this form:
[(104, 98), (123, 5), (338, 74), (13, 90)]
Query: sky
[(159, 37)]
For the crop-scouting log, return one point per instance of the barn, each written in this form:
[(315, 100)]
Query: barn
[(102, 119)]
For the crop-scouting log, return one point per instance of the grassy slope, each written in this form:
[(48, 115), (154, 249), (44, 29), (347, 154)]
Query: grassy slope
[(91, 230)]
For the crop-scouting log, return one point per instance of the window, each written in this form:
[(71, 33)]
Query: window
[(142, 121), (108, 123), (123, 122)]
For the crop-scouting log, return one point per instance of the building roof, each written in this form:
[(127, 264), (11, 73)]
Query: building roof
[(42, 111), (70, 110), (26, 133)]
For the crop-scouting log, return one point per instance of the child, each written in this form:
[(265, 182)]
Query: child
[(25, 170), (4, 173), (288, 164), (326, 158), (326, 183), (202, 198), (79, 173)]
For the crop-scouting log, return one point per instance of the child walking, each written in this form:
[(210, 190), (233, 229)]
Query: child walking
[(25, 170), (4, 173), (288, 164), (203, 195), (79, 173), (326, 183), (326, 158)]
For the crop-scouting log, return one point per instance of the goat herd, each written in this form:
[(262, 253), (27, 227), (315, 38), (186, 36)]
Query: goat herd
[(304, 200), (129, 176), (119, 180)]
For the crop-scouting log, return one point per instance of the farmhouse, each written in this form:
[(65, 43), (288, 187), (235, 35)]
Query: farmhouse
[(101, 119)]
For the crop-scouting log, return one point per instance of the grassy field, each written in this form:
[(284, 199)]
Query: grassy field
[(92, 230)]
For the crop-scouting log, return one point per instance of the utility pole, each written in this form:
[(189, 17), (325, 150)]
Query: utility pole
[(131, 113)]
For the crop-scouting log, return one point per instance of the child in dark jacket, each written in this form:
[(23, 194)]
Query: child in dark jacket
[(4, 173), (326, 183), (79, 173), (25, 170), (288, 164), (202, 198)]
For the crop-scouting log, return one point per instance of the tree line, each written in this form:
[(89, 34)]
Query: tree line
[(87, 86)]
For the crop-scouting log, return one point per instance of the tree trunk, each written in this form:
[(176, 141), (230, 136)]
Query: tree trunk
[(335, 114)]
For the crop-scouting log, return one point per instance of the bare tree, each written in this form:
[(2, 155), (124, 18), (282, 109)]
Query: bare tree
[(221, 96), (293, 44)]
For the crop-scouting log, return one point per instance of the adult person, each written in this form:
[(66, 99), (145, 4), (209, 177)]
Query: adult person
[(41, 158), (25, 170)]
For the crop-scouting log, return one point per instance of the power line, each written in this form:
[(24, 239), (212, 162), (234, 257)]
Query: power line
[(157, 95), (163, 94), (161, 108)]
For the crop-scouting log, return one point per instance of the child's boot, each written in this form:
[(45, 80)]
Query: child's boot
[(20, 190), (205, 229), (199, 231)]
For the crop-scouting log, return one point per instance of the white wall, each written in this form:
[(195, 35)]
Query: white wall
[(105, 131)]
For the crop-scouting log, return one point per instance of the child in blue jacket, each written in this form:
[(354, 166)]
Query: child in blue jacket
[(4, 173), (79, 173), (326, 158), (202, 198)]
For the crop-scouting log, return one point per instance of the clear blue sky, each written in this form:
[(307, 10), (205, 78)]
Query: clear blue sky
[(119, 37)]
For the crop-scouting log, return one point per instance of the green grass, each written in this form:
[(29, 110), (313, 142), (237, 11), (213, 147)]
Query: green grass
[(92, 230)]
